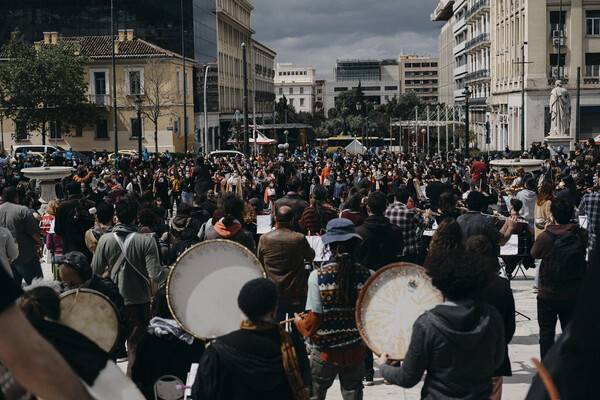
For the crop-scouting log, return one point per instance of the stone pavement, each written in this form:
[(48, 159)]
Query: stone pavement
[(522, 348)]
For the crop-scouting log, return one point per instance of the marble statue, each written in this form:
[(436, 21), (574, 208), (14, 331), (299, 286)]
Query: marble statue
[(560, 101)]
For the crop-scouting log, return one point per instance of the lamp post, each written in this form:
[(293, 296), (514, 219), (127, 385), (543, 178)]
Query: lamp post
[(466, 93), (185, 123), (137, 103), (523, 97), (286, 133), (359, 107)]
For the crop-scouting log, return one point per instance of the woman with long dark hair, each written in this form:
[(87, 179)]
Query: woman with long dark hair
[(337, 348), (316, 216)]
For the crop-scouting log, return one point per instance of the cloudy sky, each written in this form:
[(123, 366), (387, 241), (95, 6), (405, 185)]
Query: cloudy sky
[(317, 32)]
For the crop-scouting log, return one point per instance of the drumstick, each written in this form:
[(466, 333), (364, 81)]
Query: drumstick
[(546, 379), (287, 320)]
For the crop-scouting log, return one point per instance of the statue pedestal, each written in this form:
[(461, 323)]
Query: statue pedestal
[(557, 141)]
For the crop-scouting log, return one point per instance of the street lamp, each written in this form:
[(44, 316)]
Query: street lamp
[(286, 133), (359, 107), (467, 93), (137, 103)]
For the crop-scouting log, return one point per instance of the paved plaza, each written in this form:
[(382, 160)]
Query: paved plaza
[(523, 347)]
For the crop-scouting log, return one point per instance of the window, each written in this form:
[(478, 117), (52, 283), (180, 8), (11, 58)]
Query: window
[(557, 21), (102, 128), (391, 88), (280, 90), (434, 64), (291, 90), (21, 132), (279, 73), (340, 89), (592, 23), (55, 131), (319, 91), (592, 64), (301, 102), (178, 76), (301, 90), (304, 72), (425, 65), (99, 87), (553, 66), (408, 65), (135, 128), (291, 102), (134, 81)]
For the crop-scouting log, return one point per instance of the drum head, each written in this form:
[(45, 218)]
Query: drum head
[(204, 283), (92, 314), (389, 304)]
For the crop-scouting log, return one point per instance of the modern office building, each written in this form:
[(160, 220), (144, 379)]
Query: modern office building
[(297, 84), (156, 21), (379, 80), (420, 75)]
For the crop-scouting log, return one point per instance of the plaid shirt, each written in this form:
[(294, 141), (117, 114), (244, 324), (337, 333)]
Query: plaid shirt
[(590, 206), (408, 220)]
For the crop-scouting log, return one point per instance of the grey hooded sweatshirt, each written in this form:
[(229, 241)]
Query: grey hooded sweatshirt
[(459, 344)]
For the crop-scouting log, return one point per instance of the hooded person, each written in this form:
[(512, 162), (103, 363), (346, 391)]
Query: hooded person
[(460, 342), (229, 226), (258, 361)]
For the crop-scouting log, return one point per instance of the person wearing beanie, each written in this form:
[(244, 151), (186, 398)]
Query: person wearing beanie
[(258, 361)]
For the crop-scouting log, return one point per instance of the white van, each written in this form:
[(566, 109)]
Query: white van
[(36, 149)]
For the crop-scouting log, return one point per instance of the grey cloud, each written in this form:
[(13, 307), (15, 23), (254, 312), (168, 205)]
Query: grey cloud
[(316, 33)]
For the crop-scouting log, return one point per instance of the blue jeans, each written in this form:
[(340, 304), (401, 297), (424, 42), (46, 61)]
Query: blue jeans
[(187, 197), (31, 269)]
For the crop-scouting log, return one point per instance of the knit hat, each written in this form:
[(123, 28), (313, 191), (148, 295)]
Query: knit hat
[(257, 298)]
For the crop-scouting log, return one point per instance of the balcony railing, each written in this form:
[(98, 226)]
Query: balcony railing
[(592, 71), (476, 8), (483, 38), (100, 99), (480, 74)]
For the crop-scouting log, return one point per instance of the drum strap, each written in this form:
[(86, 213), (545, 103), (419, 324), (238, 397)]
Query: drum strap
[(123, 256)]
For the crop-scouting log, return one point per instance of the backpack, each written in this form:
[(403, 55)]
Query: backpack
[(567, 259)]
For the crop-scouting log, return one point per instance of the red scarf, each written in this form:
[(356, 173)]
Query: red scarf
[(227, 231)]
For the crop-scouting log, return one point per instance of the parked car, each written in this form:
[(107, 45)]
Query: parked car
[(75, 155), (35, 149)]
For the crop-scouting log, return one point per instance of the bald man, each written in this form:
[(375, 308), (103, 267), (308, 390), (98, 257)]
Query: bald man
[(282, 252)]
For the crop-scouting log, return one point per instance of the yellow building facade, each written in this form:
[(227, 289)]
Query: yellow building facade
[(142, 68)]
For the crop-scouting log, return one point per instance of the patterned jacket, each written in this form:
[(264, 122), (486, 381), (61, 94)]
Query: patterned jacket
[(338, 330)]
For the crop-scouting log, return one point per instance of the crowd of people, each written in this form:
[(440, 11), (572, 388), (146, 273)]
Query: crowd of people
[(117, 225)]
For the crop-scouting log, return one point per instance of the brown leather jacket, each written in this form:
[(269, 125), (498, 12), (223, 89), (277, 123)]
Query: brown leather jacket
[(282, 252)]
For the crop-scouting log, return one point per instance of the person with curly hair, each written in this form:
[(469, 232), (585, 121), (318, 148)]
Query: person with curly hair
[(460, 342)]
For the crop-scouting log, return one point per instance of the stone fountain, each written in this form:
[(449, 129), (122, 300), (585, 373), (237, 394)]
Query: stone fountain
[(48, 177)]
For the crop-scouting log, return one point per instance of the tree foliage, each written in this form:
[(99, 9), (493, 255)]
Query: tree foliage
[(45, 84)]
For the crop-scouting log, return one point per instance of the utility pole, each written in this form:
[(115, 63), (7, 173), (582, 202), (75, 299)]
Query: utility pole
[(206, 68), (185, 121), (245, 100), (578, 107), (438, 128), (447, 144), (427, 129), (560, 36), (114, 76), (453, 126), (416, 129)]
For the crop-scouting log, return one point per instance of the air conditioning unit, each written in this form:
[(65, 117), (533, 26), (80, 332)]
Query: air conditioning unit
[(554, 72), (558, 41), (556, 34)]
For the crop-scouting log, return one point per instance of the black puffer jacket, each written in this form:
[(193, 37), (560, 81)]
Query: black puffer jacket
[(382, 242)]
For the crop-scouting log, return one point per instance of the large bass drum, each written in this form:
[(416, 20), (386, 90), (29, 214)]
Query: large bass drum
[(204, 283), (93, 315), (390, 303)]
